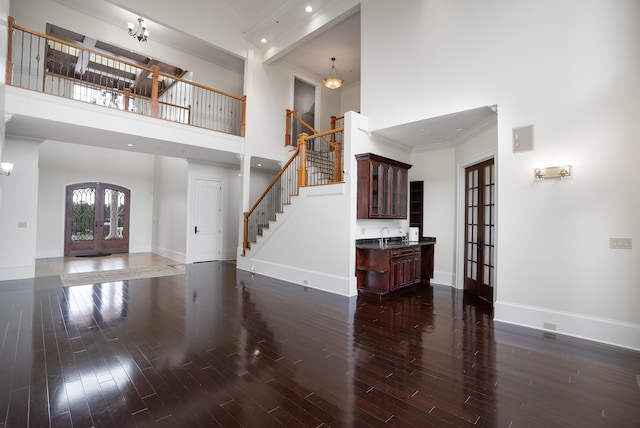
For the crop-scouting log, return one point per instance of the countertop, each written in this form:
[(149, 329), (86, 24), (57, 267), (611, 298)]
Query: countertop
[(394, 242)]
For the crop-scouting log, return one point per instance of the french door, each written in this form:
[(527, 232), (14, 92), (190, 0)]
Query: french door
[(96, 219), (480, 208)]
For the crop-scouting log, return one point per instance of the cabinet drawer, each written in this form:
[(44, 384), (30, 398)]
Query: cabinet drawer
[(405, 252)]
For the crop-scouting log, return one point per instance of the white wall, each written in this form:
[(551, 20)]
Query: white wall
[(576, 82), (170, 207), (18, 215), (349, 99), (62, 164), (437, 169)]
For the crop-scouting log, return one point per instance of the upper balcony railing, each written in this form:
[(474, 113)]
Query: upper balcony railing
[(50, 65)]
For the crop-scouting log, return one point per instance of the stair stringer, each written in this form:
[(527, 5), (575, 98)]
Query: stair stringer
[(308, 244)]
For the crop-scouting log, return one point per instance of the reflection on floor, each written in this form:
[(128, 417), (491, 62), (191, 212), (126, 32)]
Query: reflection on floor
[(222, 347), (59, 265)]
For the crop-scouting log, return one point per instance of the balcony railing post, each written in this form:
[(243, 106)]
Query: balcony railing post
[(302, 170), (244, 116), (127, 95), (333, 126), (154, 91), (9, 75)]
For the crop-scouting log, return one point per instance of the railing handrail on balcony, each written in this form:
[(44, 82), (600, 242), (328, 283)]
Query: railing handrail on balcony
[(202, 106)]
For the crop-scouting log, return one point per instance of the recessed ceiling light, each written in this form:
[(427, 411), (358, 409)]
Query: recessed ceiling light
[(263, 40), (129, 145), (308, 9), (458, 129), (259, 164)]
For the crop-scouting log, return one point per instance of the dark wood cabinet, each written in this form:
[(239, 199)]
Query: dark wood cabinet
[(383, 270), (382, 187)]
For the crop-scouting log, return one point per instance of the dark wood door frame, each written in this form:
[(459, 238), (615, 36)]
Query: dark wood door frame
[(479, 234), (86, 230)]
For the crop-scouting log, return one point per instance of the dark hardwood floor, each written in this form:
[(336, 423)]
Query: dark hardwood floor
[(216, 347)]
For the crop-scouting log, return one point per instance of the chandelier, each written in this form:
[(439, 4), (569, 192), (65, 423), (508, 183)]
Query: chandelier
[(139, 31), (333, 81)]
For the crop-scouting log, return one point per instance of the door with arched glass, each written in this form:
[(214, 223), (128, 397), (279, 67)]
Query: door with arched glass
[(96, 219)]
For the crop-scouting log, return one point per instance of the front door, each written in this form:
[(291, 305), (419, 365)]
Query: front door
[(207, 220), (96, 219), (480, 208)]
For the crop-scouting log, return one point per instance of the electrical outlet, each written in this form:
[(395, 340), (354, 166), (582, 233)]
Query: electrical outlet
[(549, 326), (620, 243)]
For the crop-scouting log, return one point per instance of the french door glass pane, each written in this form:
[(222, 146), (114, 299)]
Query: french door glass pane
[(83, 214), (113, 214)]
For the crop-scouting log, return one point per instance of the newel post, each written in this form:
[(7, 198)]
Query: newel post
[(245, 241), (302, 170), (154, 91), (337, 165), (9, 75), (287, 135)]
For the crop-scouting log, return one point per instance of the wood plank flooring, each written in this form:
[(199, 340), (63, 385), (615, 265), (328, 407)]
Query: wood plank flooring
[(220, 347)]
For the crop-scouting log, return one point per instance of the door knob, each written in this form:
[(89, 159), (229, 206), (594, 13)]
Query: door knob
[(196, 230)]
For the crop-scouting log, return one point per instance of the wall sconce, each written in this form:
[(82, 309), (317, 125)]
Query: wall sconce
[(6, 168), (552, 172)]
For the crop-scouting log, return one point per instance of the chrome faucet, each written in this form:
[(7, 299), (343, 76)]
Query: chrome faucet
[(382, 241)]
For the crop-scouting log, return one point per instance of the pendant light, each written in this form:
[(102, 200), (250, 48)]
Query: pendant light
[(333, 81)]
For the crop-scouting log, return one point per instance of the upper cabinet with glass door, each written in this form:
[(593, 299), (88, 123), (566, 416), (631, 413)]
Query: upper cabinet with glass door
[(382, 187)]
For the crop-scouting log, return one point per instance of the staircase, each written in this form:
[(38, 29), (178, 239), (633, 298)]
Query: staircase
[(317, 161)]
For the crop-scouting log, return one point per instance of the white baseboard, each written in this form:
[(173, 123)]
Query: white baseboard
[(49, 254), (170, 254), (602, 330), (443, 278), (17, 272), (318, 280)]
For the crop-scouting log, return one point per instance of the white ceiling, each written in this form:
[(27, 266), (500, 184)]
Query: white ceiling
[(441, 131), (311, 55)]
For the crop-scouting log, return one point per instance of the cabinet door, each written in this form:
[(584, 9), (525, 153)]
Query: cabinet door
[(379, 197), (399, 192)]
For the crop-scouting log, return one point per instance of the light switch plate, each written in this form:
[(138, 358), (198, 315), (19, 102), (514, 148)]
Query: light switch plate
[(620, 243)]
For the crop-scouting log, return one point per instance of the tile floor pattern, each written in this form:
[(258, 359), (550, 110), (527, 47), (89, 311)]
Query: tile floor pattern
[(221, 347)]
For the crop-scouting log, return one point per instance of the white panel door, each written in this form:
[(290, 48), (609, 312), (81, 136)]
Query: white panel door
[(207, 214)]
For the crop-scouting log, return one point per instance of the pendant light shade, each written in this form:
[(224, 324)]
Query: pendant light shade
[(333, 81)]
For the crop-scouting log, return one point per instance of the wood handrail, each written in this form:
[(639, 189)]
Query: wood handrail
[(179, 79), (315, 134), (82, 48), (275, 180)]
